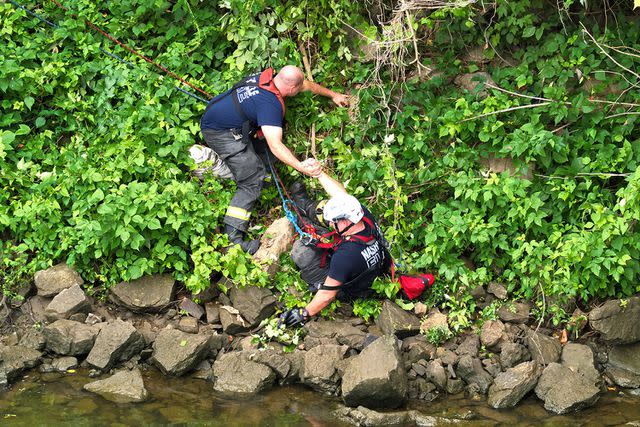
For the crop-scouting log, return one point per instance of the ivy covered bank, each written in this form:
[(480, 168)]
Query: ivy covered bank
[(497, 142)]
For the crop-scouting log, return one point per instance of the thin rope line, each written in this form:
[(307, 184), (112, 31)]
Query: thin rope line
[(135, 52)]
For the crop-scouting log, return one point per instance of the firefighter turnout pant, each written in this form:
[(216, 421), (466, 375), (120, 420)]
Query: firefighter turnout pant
[(247, 167)]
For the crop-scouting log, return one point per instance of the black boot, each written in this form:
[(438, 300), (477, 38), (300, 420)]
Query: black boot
[(237, 237), (304, 203)]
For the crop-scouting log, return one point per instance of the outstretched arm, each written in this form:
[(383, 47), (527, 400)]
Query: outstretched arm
[(337, 98), (273, 135), (331, 185)]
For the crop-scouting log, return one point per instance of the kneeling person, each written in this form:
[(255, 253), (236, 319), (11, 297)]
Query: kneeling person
[(357, 254)]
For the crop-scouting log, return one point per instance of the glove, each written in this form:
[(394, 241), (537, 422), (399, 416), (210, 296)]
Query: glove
[(293, 317)]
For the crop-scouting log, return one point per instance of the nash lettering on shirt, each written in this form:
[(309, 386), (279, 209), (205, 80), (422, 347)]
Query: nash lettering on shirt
[(371, 254), (246, 92)]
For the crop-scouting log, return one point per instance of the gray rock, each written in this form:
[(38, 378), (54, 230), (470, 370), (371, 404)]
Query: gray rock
[(176, 352), (473, 82), (491, 333), (475, 55), (77, 317), (21, 293), (122, 387), (622, 377), (92, 319), (492, 366), (10, 340), (212, 311), (564, 390), (70, 338), (624, 365), (471, 371), (470, 345), (275, 360), (436, 374), (193, 309), (496, 289), (235, 374), (204, 371), (218, 341), (63, 364), (579, 358), (15, 360), (232, 321), (420, 309), (447, 357), (68, 302), (626, 357), (188, 325), (312, 341), (421, 389), (516, 312), (376, 378), (419, 368), (417, 348), (478, 292), (454, 386), (393, 320), (33, 338), (254, 304), (52, 281), (544, 349), (319, 371), (617, 321), (362, 416), (434, 319), (512, 385), (297, 366), (147, 294), (512, 354), (117, 342), (342, 332), (37, 306), (207, 295)]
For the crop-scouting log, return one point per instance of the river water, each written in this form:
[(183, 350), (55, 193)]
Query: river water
[(58, 400)]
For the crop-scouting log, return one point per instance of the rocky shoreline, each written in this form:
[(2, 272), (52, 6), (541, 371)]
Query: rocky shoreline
[(373, 367)]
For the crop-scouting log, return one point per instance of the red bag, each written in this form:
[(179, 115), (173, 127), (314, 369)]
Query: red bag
[(414, 286)]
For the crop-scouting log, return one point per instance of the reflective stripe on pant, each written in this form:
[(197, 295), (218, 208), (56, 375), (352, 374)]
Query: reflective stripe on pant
[(248, 171)]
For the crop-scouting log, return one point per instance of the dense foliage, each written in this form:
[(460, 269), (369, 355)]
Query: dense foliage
[(94, 152)]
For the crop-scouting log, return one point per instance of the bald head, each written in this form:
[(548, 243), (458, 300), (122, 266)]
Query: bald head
[(291, 74), (289, 80)]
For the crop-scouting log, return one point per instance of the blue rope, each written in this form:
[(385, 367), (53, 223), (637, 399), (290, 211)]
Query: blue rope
[(116, 57), (399, 264), (112, 55), (33, 14), (193, 95), (288, 213)]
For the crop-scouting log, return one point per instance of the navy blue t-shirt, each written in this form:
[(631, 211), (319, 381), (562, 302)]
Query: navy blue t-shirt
[(353, 258), (259, 105)]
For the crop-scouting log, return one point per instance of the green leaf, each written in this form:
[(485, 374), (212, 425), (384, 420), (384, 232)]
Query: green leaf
[(8, 137), (154, 224), (183, 343), (40, 121), (97, 196), (23, 130), (28, 102)]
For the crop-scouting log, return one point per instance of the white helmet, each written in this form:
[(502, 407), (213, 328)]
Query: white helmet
[(343, 206)]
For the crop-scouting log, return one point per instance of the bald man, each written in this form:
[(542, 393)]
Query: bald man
[(235, 125)]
